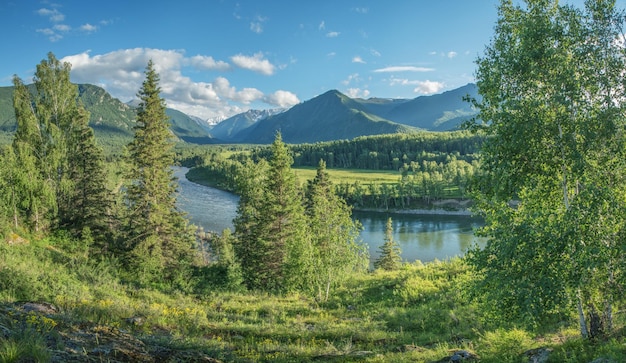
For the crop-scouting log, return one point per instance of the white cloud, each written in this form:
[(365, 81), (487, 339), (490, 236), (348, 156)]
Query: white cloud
[(403, 69), (62, 27), (451, 54), (361, 10), (375, 53), (255, 63), (52, 35), (322, 25), (428, 87), (52, 14), (357, 93), (88, 28), (353, 77), (332, 34), (281, 98), (358, 59), (421, 87), (122, 72), (207, 62), (256, 27)]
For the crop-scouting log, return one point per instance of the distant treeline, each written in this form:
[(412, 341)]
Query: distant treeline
[(385, 152), (430, 166)]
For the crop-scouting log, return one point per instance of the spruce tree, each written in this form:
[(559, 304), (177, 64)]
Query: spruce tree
[(336, 252), (88, 204), (389, 258), (158, 242), (248, 248), (273, 243)]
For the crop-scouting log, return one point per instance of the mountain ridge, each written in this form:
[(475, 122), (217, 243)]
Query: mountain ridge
[(329, 116)]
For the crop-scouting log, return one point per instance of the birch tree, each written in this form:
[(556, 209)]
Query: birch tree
[(552, 181)]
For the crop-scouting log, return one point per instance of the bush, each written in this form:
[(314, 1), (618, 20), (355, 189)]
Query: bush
[(504, 345)]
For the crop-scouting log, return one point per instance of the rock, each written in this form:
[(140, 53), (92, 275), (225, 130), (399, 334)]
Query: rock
[(538, 355), (42, 308), (460, 356), (135, 320), (603, 360)]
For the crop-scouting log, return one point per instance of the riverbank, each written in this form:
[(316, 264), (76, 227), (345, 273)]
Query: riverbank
[(448, 207), (428, 212)]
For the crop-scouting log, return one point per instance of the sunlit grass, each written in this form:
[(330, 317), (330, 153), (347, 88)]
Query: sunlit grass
[(418, 313), (351, 176)]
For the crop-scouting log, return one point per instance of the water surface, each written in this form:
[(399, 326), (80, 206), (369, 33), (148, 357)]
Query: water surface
[(421, 237)]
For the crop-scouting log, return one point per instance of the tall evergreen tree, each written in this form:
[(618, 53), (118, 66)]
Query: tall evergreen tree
[(390, 254), (158, 239), (276, 255), (88, 204), (248, 248), (336, 253)]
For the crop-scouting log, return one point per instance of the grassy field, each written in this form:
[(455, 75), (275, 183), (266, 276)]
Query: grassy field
[(420, 313), (350, 176)]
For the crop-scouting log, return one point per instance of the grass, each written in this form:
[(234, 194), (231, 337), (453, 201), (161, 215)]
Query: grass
[(350, 176), (419, 313)]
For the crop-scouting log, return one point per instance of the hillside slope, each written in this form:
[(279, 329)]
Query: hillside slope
[(330, 116)]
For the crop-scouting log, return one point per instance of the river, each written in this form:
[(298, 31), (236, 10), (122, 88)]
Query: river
[(421, 237)]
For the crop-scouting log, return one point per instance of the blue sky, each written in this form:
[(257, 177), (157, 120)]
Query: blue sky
[(217, 58)]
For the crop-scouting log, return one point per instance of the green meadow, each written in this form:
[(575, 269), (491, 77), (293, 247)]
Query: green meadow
[(419, 313)]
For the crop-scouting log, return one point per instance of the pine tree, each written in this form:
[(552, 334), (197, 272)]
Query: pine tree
[(389, 258), (272, 240), (336, 253), (248, 248), (158, 241), (88, 204)]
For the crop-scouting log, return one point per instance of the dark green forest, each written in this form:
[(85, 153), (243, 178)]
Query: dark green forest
[(429, 165)]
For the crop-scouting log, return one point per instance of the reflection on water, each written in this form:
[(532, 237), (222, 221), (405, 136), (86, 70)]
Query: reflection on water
[(421, 237)]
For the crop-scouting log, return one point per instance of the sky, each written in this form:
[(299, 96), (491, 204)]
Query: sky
[(217, 58)]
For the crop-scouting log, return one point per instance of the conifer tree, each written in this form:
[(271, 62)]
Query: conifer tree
[(88, 204), (272, 240), (248, 248), (158, 241), (336, 253), (389, 258)]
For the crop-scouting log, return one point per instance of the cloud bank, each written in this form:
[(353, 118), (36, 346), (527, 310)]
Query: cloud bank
[(121, 73)]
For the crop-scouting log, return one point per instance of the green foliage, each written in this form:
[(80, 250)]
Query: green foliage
[(55, 167), (272, 239), (418, 313), (336, 254), (551, 83), (158, 244), (504, 345), (27, 345), (390, 253), (413, 170)]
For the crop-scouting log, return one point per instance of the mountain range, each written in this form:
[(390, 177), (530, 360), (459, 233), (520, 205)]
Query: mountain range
[(329, 116)]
